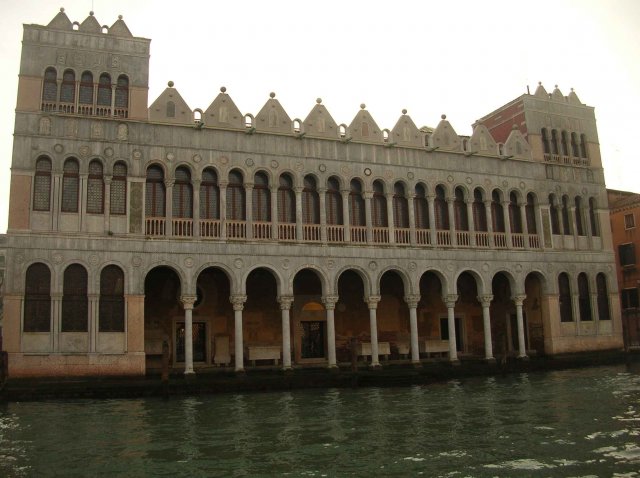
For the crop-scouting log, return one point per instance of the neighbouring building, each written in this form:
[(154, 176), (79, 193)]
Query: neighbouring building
[(624, 209), (272, 239)]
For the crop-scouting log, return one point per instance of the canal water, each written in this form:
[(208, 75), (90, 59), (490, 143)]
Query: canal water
[(573, 423)]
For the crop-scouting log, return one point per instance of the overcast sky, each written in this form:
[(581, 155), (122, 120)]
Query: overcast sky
[(460, 58)]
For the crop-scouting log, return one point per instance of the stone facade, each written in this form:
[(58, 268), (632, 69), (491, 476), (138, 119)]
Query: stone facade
[(288, 240)]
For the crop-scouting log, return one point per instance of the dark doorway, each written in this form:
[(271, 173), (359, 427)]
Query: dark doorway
[(444, 332), (312, 339), (199, 334)]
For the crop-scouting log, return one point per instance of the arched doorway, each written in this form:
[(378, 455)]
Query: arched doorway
[(351, 314), (470, 312), (393, 316), (533, 313), (309, 318), (213, 324), (433, 326), (261, 319), (503, 317)]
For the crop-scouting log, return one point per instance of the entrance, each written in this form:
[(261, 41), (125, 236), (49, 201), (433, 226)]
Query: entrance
[(312, 339), (444, 332), (199, 334)]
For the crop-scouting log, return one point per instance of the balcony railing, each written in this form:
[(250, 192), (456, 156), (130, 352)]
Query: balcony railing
[(261, 230), (311, 232), (482, 239), (236, 229), (210, 228), (463, 239), (155, 226), (380, 235), (517, 240), (335, 233), (500, 240), (182, 227), (423, 237), (403, 235), (359, 234), (443, 238), (287, 232), (534, 241)]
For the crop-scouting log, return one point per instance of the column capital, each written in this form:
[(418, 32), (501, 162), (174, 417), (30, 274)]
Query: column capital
[(188, 301), (412, 301), (519, 299), (330, 301), (298, 189), (196, 183), (367, 194), (450, 300), (107, 179), (322, 190), (168, 183), (223, 183), (93, 296), (285, 301), (56, 295), (485, 300), (372, 301), (487, 202), (238, 301), (248, 185)]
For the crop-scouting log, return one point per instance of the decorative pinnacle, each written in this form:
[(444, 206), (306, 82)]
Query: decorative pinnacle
[(91, 13), (556, 86), (119, 17), (362, 106), (170, 84), (223, 89), (318, 100), (514, 127), (272, 94), (404, 111), (444, 117), (540, 83), (61, 9)]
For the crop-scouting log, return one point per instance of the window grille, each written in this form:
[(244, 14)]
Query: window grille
[(460, 211), (70, 186), (497, 213), (515, 218), (379, 206), (111, 310), (235, 197), (333, 202), (310, 202), (86, 88), (95, 189), (68, 88), (155, 192), (441, 209), (400, 207), (182, 194), (421, 208), (479, 212), (37, 299), (75, 305), (122, 92), (118, 203), (209, 195), (42, 185), (104, 90), (286, 200), (530, 213), (50, 85), (356, 205), (261, 198)]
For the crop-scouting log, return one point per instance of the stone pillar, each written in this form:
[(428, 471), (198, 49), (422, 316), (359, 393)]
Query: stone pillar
[(390, 219), (322, 197), (329, 302), (432, 218), (56, 308), (82, 202), (489, 214), (248, 195), (452, 220), (222, 185), (93, 322), (168, 212), (298, 191), (485, 301), (470, 223), (450, 301), (285, 306), (274, 212), (368, 196), (113, 99), (522, 348), (238, 304), (187, 302), (412, 219), (412, 302), (345, 215), (372, 302)]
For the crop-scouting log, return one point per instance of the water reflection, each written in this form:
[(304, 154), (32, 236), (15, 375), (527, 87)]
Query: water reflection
[(570, 423)]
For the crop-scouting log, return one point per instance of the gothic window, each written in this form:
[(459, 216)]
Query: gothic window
[(479, 212), (209, 195), (603, 297), (515, 218), (70, 186), (261, 198), (42, 185), (554, 141), (50, 85), (575, 149), (545, 141), (111, 314), (441, 209), (333, 202), (182, 194), (104, 90), (555, 217), (95, 188), (530, 212), (68, 88), (564, 290), (122, 94), (566, 226), (592, 218), (564, 141), (460, 211), (356, 204), (118, 203), (155, 192), (578, 215), (584, 298), (583, 146), (171, 109), (86, 88), (421, 208), (286, 200), (37, 299), (235, 197), (310, 201), (497, 212), (75, 307), (379, 206), (400, 206)]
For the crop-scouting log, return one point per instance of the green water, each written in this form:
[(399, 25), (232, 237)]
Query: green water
[(574, 423)]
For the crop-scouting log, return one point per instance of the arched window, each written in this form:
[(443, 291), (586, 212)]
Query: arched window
[(356, 204), (86, 88), (583, 146), (497, 212), (75, 310), (584, 298), (515, 218), (545, 141), (155, 192), (578, 215), (104, 90), (209, 195), (122, 92), (441, 209), (592, 218), (421, 208), (183, 194), (68, 87), (603, 297), (575, 149), (566, 225), (530, 212), (118, 196), (261, 198), (70, 186), (42, 185), (479, 212), (111, 315), (50, 86), (171, 109), (460, 211), (95, 188), (400, 207), (564, 292), (555, 217), (564, 141), (310, 201), (286, 200), (333, 202), (37, 299), (379, 206), (554, 141), (235, 197)]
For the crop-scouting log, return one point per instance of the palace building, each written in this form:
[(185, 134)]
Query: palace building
[(273, 240)]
